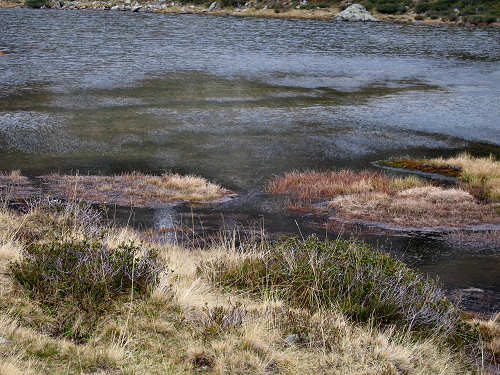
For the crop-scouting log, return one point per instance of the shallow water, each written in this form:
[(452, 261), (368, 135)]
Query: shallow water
[(238, 100)]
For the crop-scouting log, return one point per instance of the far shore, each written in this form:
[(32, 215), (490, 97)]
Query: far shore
[(323, 14)]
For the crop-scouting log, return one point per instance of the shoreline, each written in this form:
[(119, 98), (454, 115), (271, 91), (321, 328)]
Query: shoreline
[(318, 14)]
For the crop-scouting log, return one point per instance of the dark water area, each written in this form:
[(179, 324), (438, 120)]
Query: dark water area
[(238, 100)]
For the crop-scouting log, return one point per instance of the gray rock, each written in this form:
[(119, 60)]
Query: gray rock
[(212, 6), (136, 8), (355, 12), (3, 341), (116, 7), (292, 339)]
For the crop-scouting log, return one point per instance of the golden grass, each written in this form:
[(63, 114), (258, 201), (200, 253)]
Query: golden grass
[(13, 177), (165, 333), (478, 173), (135, 189), (318, 14)]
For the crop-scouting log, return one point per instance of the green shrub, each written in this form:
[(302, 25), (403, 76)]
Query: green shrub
[(422, 7), (365, 284), (81, 280), (35, 3), (390, 8), (419, 17)]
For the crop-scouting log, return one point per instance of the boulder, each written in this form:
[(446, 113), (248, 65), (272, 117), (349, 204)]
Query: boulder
[(3, 341), (292, 339), (355, 12), (212, 6), (136, 8)]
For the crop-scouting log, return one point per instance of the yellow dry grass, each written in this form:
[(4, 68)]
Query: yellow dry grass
[(420, 207), (136, 189), (481, 173), (165, 333)]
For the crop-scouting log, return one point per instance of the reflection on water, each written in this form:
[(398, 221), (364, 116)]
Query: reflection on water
[(237, 100)]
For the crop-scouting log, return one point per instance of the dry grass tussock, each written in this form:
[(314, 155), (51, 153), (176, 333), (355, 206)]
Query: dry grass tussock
[(418, 207), (312, 185), (184, 323), (375, 196), (135, 189), (481, 176), (12, 177)]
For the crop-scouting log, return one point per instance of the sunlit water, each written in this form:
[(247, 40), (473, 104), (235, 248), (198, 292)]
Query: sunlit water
[(238, 100)]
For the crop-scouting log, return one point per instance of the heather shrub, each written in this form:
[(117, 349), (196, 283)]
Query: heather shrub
[(78, 282), (345, 274)]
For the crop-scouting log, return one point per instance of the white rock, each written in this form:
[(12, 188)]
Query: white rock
[(116, 7), (292, 339), (212, 6), (3, 341), (355, 12)]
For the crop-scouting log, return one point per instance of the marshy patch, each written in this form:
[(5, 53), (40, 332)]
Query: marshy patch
[(377, 197), (130, 190), (480, 176)]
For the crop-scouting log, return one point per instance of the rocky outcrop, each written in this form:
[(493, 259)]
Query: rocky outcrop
[(355, 12)]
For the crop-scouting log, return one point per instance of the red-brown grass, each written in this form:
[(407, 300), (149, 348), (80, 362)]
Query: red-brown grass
[(313, 185)]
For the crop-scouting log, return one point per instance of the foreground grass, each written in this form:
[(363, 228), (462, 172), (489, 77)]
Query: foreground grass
[(408, 201), (184, 320)]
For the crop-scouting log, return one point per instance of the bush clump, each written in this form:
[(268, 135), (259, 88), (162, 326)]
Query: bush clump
[(78, 281), (364, 283), (36, 3)]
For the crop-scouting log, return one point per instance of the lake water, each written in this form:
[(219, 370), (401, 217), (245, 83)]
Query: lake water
[(238, 100)]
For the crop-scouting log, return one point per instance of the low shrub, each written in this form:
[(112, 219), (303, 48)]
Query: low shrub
[(390, 8), (419, 17), (365, 284), (35, 3), (77, 282), (422, 7)]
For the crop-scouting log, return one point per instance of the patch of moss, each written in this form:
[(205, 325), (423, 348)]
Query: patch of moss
[(421, 165)]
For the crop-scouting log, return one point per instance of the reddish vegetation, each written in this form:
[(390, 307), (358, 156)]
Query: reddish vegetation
[(423, 165), (375, 196), (313, 185)]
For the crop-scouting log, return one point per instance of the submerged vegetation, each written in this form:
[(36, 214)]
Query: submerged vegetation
[(277, 308)]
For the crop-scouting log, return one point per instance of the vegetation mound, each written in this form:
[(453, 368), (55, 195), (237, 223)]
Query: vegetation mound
[(404, 201), (78, 281), (132, 189), (348, 275), (481, 176)]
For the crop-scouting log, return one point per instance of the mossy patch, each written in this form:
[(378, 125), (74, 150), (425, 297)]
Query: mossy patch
[(421, 165)]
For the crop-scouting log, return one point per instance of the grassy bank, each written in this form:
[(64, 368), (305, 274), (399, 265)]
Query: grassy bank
[(78, 297), (466, 12)]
